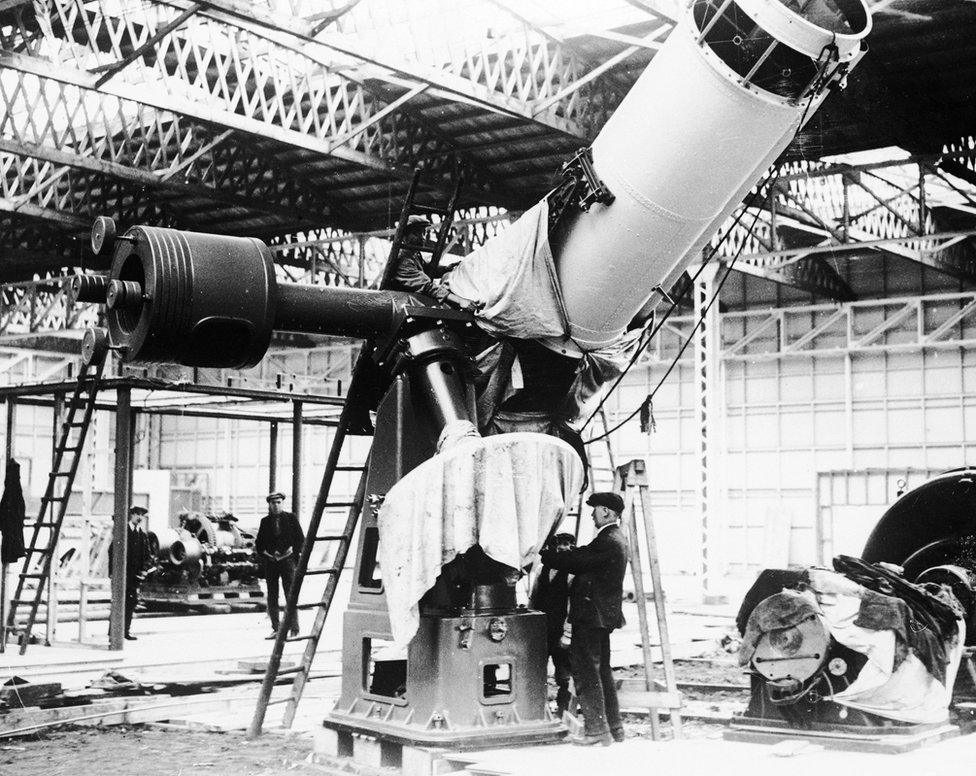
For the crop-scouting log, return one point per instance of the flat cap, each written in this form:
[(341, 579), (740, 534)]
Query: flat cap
[(276, 496), (608, 499), (416, 220), (138, 511)]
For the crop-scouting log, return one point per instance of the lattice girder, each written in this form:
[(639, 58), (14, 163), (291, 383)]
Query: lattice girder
[(885, 205)]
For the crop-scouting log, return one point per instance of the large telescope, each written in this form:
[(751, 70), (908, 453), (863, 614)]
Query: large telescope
[(719, 102), (556, 291)]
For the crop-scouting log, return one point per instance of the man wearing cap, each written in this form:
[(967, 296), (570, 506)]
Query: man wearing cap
[(551, 596), (137, 558), (411, 274), (278, 543), (594, 611)]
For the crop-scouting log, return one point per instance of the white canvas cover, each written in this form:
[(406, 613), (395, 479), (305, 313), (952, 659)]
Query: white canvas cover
[(513, 277), (503, 492)]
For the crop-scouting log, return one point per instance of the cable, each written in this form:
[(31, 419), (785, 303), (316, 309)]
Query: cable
[(687, 342)]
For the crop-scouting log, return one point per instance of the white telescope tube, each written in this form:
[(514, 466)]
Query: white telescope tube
[(719, 102)]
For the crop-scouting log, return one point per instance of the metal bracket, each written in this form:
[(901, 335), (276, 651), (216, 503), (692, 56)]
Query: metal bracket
[(579, 189)]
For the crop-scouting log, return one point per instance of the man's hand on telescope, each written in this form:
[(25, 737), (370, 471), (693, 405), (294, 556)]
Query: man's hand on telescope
[(467, 305)]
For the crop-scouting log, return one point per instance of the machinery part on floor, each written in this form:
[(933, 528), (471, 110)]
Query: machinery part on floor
[(205, 300), (203, 555), (850, 652), (931, 533)]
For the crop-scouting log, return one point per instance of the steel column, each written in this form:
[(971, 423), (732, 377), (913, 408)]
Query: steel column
[(123, 500), (296, 458), (9, 454), (273, 458), (707, 361)]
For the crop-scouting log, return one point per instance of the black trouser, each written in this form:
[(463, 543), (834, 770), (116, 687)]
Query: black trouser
[(593, 677), (131, 600), (562, 669), (283, 570)]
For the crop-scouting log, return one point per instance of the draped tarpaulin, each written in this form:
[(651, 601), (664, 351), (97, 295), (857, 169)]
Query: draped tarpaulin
[(503, 492)]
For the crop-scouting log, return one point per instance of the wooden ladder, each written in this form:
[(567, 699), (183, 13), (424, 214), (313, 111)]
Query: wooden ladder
[(631, 482), (36, 570), (600, 477), (352, 421)]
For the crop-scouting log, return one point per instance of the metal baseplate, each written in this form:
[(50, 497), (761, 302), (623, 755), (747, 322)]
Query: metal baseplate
[(893, 739), (232, 597), (356, 753)]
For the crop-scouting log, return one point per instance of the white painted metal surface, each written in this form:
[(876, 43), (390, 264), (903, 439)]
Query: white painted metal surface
[(680, 152)]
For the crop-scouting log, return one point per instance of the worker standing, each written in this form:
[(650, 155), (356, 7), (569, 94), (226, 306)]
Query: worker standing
[(137, 558), (278, 543), (551, 596), (595, 611)]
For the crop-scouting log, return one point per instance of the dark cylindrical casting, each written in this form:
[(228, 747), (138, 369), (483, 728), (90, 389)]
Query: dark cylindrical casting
[(341, 312)]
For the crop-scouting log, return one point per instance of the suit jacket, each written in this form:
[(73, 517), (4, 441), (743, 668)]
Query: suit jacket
[(598, 588), (138, 555), (551, 595), (289, 536)]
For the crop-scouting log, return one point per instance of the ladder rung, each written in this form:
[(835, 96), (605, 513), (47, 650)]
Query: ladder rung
[(316, 572), (44, 524), (32, 575), (305, 607), (54, 498), (298, 638), (416, 207), (342, 504), (69, 449), (331, 538), (350, 468), (276, 701), (73, 424), (59, 474)]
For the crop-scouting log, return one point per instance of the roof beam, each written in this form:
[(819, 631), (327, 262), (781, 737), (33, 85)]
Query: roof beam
[(67, 221), (813, 275), (155, 181), (289, 32), (254, 78), (155, 97), (108, 71)]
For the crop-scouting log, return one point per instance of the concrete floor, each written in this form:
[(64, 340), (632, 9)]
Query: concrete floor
[(720, 758), (190, 647)]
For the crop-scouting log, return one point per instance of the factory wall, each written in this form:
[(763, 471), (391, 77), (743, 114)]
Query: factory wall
[(899, 410)]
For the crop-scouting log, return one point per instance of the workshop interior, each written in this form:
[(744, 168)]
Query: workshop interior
[(365, 320)]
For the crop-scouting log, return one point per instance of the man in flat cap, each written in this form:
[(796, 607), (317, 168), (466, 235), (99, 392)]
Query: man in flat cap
[(412, 274), (278, 544), (594, 611), (137, 560)]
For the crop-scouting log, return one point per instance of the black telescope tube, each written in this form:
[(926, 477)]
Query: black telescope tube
[(337, 311)]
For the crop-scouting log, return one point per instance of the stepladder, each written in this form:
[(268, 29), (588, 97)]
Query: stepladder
[(353, 421), (34, 588), (638, 523)]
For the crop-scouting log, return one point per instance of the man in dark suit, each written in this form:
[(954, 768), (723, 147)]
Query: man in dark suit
[(594, 611), (137, 558), (278, 544), (551, 595)]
